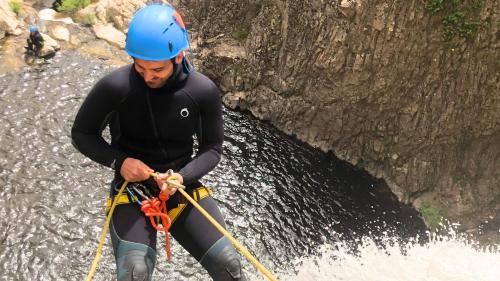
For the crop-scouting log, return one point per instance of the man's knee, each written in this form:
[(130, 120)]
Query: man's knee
[(223, 262), (135, 266), (134, 261)]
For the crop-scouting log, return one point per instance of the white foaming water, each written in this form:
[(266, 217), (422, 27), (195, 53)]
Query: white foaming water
[(441, 259)]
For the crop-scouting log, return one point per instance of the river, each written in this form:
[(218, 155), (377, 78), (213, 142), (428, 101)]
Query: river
[(304, 214)]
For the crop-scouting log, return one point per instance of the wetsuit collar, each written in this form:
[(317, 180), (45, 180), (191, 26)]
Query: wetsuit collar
[(178, 76)]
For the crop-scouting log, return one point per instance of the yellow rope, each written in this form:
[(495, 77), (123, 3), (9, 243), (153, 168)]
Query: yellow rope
[(103, 235), (235, 242)]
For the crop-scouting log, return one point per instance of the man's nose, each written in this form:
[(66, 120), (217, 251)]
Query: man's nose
[(148, 75)]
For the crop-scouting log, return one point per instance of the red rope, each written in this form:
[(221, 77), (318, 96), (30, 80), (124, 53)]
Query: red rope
[(157, 208)]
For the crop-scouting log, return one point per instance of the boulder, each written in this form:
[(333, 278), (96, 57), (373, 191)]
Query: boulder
[(52, 15), (118, 13), (90, 15), (9, 24), (110, 34), (59, 33), (47, 3), (50, 46)]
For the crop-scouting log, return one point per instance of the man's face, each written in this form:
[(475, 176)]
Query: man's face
[(155, 73)]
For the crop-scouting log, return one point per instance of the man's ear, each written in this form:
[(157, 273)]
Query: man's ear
[(179, 57)]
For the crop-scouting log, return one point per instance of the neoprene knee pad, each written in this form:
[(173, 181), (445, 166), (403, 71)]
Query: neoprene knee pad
[(134, 261), (134, 266), (222, 262)]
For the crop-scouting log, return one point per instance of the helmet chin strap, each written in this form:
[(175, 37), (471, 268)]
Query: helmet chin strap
[(187, 67), (175, 65)]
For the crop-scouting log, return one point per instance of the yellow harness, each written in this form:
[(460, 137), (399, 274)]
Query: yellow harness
[(197, 194)]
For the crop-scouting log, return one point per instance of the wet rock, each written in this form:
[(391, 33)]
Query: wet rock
[(235, 100)]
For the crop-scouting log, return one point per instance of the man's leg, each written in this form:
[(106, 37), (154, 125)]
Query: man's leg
[(205, 243), (38, 50), (134, 243)]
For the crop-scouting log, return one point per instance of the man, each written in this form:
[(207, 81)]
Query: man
[(35, 41), (154, 107)]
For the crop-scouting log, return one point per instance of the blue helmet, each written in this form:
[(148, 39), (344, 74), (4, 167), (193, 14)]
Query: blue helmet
[(156, 32), (32, 28)]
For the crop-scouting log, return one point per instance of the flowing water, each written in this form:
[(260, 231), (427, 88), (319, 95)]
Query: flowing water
[(303, 214)]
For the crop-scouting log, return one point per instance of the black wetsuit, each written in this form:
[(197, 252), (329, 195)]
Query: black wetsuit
[(153, 125), (35, 43), (157, 127)]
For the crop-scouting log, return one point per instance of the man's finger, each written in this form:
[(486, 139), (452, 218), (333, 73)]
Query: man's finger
[(167, 189)]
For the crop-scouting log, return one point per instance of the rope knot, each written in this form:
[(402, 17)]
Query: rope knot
[(156, 210)]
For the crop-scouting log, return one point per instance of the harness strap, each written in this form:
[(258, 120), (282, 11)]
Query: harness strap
[(197, 194), (156, 210), (173, 213)]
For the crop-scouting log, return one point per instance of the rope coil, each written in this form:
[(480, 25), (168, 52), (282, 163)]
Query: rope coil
[(156, 209)]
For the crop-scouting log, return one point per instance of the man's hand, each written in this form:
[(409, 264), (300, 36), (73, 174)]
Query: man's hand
[(134, 170), (162, 179)]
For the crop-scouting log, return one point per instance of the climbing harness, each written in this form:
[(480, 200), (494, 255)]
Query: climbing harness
[(122, 198), (173, 213)]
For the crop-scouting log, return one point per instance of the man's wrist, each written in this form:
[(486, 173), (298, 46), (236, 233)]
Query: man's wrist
[(118, 162)]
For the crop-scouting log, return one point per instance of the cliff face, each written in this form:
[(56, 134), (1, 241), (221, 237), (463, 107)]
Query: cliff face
[(372, 81)]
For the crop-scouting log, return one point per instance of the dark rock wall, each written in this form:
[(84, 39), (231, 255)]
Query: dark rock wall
[(372, 81)]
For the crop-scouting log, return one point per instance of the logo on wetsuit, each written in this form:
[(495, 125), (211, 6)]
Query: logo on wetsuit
[(184, 112)]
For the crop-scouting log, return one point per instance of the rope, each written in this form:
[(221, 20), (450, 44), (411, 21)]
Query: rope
[(222, 230), (154, 208), (103, 235)]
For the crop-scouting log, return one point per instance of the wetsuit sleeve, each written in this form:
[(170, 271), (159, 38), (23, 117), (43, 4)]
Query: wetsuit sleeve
[(93, 116), (212, 135)]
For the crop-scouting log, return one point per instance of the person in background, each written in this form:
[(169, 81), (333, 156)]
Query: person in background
[(35, 42), (154, 107)]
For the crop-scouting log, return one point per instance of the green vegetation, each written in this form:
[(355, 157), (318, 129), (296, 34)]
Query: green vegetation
[(240, 34), (71, 6), (15, 6), (431, 214), (460, 18)]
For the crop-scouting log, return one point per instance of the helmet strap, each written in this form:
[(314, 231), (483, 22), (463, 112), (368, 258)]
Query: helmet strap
[(172, 60), (187, 67)]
